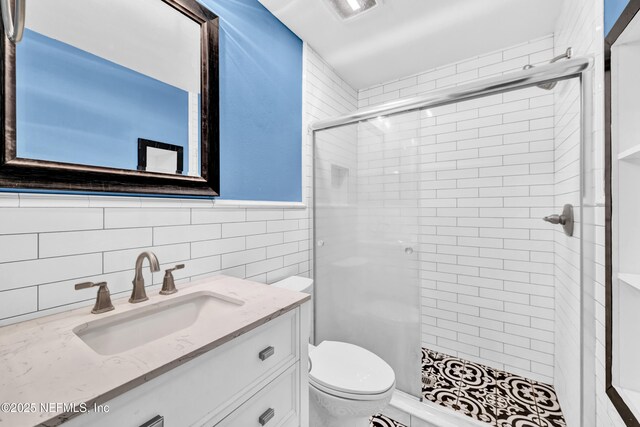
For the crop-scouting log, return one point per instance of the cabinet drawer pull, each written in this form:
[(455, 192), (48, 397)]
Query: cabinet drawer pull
[(157, 421), (266, 353), (266, 416)]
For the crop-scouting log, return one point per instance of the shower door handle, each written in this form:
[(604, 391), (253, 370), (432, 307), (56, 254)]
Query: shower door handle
[(565, 219)]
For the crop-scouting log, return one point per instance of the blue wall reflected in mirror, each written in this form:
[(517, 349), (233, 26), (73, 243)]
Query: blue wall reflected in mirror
[(76, 107)]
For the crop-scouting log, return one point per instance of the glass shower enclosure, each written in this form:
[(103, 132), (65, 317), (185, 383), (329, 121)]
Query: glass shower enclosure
[(366, 225), (379, 179)]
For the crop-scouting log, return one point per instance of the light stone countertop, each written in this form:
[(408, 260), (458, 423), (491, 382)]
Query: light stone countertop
[(43, 360)]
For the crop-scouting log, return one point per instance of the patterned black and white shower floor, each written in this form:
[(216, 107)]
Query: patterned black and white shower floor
[(496, 397)]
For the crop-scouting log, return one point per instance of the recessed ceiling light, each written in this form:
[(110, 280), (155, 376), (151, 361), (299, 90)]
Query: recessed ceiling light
[(354, 5), (347, 9)]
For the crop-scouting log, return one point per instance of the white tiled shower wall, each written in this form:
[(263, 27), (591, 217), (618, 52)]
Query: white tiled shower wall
[(581, 26), (484, 181), (327, 95), (50, 242), (577, 27)]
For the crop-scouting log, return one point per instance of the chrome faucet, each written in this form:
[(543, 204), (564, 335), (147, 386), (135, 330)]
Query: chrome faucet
[(139, 294)]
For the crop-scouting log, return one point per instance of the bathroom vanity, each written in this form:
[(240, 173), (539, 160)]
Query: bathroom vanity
[(222, 351)]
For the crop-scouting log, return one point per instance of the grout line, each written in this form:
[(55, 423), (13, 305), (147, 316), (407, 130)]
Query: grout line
[(535, 400)]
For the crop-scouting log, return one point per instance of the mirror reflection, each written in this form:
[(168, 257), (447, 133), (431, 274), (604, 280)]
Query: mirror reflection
[(109, 83)]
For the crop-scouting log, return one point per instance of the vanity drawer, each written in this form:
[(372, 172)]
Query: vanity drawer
[(276, 405), (250, 361), (240, 367)]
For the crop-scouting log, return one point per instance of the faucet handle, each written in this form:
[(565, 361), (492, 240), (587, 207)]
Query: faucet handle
[(84, 285), (87, 285), (103, 299), (168, 283), (177, 267)]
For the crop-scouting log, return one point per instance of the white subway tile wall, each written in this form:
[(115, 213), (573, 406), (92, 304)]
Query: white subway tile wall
[(328, 96), (581, 26), (567, 249), (68, 245), (476, 178), (50, 242)]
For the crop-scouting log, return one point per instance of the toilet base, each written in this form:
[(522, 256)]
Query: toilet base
[(326, 410), (323, 419)]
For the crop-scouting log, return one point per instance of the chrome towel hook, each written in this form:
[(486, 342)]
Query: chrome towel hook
[(13, 20)]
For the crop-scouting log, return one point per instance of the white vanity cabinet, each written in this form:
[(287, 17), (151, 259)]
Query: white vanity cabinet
[(257, 379)]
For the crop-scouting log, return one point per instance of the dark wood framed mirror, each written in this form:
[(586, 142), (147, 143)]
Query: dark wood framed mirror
[(31, 153)]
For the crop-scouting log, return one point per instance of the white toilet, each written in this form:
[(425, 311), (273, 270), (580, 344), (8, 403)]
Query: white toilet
[(347, 384)]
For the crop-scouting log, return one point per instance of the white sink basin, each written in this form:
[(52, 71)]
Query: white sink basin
[(121, 332)]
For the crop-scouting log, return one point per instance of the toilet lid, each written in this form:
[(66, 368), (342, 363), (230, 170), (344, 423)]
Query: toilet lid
[(347, 368)]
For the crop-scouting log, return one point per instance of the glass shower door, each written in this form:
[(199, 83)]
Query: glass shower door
[(367, 286)]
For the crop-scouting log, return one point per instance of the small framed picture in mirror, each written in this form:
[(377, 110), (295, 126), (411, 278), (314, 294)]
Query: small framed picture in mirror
[(160, 157)]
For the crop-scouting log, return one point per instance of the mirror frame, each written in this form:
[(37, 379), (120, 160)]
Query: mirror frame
[(19, 173)]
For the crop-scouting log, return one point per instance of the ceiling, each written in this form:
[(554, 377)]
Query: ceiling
[(404, 37)]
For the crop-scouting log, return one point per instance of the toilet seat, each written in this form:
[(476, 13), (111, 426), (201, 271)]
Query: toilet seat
[(348, 371)]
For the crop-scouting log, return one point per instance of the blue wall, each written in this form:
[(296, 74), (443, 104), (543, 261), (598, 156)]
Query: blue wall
[(612, 11), (260, 104), (76, 107)]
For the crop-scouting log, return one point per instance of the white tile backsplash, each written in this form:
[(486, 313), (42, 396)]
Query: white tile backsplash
[(18, 301), (40, 220), (265, 266), (18, 247), (30, 273), (243, 257), (82, 242), (205, 248), (121, 260), (262, 240), (147, 217), (247, 228), (220, 215), (186, 233)]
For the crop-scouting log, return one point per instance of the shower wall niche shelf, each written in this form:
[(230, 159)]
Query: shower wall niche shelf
[(630, 279), (622, 173), (632, 153)]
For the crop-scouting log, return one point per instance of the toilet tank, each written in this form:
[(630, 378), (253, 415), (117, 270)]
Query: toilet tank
[(299, 284), (296, 283)]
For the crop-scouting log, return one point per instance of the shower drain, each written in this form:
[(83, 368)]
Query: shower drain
[(428, 380)]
